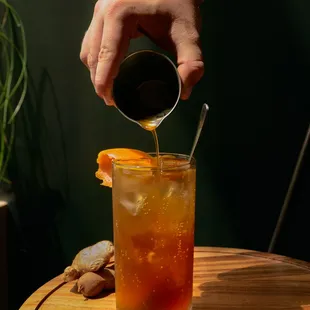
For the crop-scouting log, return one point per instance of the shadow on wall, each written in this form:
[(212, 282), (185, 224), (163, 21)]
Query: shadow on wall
[(35, 253)]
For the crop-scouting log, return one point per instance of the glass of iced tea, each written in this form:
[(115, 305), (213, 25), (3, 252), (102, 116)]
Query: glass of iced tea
[(153, 216)]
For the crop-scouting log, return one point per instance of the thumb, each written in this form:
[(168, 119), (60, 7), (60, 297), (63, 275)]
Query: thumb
[(190, 66)]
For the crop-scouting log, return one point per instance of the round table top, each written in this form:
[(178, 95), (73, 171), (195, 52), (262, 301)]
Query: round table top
[(223, 279)]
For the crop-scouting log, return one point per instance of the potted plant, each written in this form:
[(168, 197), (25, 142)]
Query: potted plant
[(13, 82), (13, 88)]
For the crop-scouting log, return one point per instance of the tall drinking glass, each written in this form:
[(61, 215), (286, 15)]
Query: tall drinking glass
[(153, 216)]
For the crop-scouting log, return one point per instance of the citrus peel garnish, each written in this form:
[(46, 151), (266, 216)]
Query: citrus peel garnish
[(105, 159)]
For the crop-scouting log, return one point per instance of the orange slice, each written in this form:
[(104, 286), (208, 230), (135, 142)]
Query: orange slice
[(106, 157)]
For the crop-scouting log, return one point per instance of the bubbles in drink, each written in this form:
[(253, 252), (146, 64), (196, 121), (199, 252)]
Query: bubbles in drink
[(154, 213)]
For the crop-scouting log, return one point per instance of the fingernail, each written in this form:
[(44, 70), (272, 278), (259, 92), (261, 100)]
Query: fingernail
[(186, 92), (110, 103), (109, 100)]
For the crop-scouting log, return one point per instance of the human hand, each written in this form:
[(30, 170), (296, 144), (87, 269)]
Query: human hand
[(171, 24)]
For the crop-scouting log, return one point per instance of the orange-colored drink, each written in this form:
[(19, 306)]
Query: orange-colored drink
[(154, 214)]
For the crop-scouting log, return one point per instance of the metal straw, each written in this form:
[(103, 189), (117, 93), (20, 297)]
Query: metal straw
[(203, 114)]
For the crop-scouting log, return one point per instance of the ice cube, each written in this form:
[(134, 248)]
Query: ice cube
[(135, 181), (130, 184), (133, 202), (170, 189)]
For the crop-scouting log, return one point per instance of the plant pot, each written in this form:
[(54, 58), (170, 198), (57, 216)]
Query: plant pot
[(5, 200)]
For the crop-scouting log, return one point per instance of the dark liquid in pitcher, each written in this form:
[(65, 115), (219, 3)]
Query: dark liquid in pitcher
[(150, 99)]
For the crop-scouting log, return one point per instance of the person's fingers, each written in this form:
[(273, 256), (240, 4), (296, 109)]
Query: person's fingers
[(85, 48), (185, 36), (190, 64), (115, 22), (94, 46), (86, 43), (94, 39), (190, 71), (114, 45)]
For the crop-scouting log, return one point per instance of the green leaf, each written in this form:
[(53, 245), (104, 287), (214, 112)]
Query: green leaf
[(13, 86)]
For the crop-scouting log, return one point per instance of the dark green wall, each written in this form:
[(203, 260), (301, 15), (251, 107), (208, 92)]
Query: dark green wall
[(257, 56)]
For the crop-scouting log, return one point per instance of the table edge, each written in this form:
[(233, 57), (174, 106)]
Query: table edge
[(271, 256), (225, 250)]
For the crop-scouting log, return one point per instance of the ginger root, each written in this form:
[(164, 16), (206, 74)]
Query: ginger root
[(93, 283), (90, 259)]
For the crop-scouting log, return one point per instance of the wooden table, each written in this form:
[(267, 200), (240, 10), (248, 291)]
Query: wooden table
[(223, 279)]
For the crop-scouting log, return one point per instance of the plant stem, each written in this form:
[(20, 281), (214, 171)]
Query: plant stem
[(9, 85)]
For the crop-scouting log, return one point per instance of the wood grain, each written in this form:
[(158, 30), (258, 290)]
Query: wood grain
[(223, 279)]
